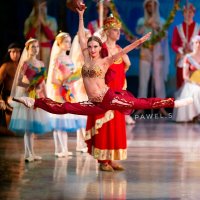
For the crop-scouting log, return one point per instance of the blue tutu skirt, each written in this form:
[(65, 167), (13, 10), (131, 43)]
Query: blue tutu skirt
[(68, 122), (29, 120)]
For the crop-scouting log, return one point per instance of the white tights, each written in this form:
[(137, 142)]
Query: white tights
[(80, 141), (61, 142), (28, 144)]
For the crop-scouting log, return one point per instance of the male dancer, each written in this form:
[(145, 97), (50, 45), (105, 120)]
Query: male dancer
[(181, 40)]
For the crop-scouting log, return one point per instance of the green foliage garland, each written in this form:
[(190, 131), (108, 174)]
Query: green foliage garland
[(155, 38)]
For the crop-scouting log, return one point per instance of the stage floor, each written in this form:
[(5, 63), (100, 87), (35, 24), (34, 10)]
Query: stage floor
[(163, 163)]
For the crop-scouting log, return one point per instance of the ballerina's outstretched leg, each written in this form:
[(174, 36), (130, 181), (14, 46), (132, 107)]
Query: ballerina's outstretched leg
[(89, 108)]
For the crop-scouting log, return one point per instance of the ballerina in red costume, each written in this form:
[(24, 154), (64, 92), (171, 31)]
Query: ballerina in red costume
[(101, 97)]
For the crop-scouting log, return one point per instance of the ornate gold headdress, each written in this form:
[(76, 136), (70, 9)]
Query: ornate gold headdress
[(111, 22)]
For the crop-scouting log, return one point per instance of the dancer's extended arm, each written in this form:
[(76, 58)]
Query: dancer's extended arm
[(81, 33), (128, 48)]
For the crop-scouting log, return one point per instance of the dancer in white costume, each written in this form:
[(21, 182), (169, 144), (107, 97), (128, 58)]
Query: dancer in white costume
[(42, 26), (79, 89), (191, 86), (29, 81), (58, 89), (156, 59)]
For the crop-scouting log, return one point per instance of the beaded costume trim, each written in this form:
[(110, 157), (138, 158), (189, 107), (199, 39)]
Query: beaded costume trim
[(109, 115), (107, 154), (162, 103), (92, 72)]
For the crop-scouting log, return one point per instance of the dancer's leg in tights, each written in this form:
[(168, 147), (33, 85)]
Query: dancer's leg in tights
[(80, 142), (56, 143), (29, 148), (28, 155), (65, 143)]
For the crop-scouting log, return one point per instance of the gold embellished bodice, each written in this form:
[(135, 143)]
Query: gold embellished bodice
[(92, 72)]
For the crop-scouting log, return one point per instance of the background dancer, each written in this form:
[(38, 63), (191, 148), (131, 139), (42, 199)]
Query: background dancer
[(153, 60), (191, 86), (41, 26), (29, 81), (182, 40), (60, 90), (7, 74)]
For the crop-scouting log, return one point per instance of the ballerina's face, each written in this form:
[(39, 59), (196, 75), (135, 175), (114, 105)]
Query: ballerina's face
[(94, 49), (33, 48), (65, 44), (196, 45)]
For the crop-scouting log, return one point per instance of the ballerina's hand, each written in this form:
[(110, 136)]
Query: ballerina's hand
[(2, 105), (81, 9), (27, 101), (82, 6), (145, 37)]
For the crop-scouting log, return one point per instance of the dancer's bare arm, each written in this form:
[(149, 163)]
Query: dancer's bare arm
[(81, 32), (128, 48)]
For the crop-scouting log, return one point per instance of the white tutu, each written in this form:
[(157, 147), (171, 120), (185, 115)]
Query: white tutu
[(187, 113), (29, 120)]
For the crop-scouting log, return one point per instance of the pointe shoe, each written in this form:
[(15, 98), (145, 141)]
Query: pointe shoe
[(106, 167), (117, 167), (129, 120), (56, 154), (37, 157), (29, 159), (60, 155), (63, 154), (183, 102)]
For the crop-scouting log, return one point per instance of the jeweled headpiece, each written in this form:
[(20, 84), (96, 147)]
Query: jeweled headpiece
[(111, 22)]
